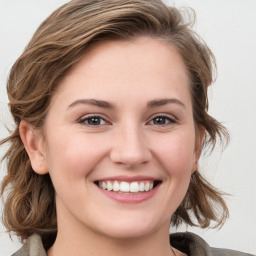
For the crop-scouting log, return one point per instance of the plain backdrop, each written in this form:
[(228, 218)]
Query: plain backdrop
[(229, 28)]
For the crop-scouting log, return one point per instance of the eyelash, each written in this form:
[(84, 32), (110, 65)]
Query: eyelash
[(85, 120), (169, 119)]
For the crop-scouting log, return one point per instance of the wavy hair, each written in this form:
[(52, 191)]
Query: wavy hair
[(59, 42)]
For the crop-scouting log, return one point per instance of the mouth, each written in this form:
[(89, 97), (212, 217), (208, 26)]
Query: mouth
[(130, 187)]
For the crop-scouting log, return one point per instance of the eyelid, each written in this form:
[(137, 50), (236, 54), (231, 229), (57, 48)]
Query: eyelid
[(87, 116), (172, 118)]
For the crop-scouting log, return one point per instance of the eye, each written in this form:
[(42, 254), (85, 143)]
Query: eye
[(162, 120), (93, 121)]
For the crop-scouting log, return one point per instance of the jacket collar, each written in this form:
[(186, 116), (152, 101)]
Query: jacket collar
[(190, 243)]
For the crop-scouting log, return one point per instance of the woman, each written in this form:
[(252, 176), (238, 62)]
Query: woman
[(110, 104)]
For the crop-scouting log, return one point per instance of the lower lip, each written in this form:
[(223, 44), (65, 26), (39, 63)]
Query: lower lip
[(130, 198)]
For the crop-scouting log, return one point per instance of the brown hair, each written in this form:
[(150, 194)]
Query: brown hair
[(60, 41)]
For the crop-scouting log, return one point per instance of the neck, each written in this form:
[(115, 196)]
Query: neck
[(74, 242), (82, 239)]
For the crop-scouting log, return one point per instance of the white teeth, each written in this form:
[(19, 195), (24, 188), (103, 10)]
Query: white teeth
[(146, 188), (116, 186), (104, 185), (134, 187), (142, 186), (126, 187), (109, 186)]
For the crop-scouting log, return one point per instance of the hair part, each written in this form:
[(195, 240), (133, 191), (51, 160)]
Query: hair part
[(60, 41)]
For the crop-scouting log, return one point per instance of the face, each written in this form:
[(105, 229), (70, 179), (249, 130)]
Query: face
[(119, 139)]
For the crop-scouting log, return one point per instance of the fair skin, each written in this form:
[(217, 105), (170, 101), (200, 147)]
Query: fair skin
[(123, 114)]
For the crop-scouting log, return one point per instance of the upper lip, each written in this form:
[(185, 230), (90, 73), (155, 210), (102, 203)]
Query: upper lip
[(128, 178)]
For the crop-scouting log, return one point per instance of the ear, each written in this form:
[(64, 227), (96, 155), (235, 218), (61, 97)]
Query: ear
[(200, 132), (34, 145)]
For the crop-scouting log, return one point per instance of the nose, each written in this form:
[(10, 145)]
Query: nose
[(130, 148)]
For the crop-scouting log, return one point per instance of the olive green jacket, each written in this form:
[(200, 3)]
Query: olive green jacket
[(189, 243)]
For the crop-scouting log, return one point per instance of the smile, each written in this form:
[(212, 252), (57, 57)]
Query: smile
[(127, 187), (131, 190)]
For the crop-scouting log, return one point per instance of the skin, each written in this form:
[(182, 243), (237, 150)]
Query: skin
[(125, 139)]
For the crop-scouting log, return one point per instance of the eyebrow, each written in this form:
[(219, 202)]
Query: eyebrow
[(108, 105), (161, 102), (98, 103)]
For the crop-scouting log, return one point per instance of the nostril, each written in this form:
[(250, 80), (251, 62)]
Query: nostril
[(130, 152)]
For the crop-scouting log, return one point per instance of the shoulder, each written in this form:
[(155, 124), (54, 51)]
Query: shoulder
[(189, 243), (32, 247), (194, 245), (227, 252)]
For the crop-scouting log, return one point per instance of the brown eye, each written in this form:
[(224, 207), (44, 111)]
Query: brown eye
[(161, 120), (93, 121)]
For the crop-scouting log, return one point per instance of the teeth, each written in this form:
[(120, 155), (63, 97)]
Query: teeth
[(146, 188), (126, 187), (109, 186), (104, 185), (116, 186), (142, 186), (134, 187)]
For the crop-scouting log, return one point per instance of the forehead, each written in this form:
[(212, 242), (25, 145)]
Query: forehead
[(136, 67)]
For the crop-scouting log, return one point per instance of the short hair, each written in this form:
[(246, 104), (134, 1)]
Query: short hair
[(60, 42)]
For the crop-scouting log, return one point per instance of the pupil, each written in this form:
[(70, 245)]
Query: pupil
[(159, 120), (94, 120)]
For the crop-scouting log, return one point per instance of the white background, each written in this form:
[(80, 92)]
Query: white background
[(229, 28)]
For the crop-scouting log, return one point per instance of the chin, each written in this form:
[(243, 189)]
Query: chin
[(129, 229), (128, 233)]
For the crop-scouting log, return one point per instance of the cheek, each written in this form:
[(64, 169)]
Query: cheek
[(74, 156), (176, 153)]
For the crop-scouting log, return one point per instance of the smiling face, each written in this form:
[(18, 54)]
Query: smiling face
[(119, 140)]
